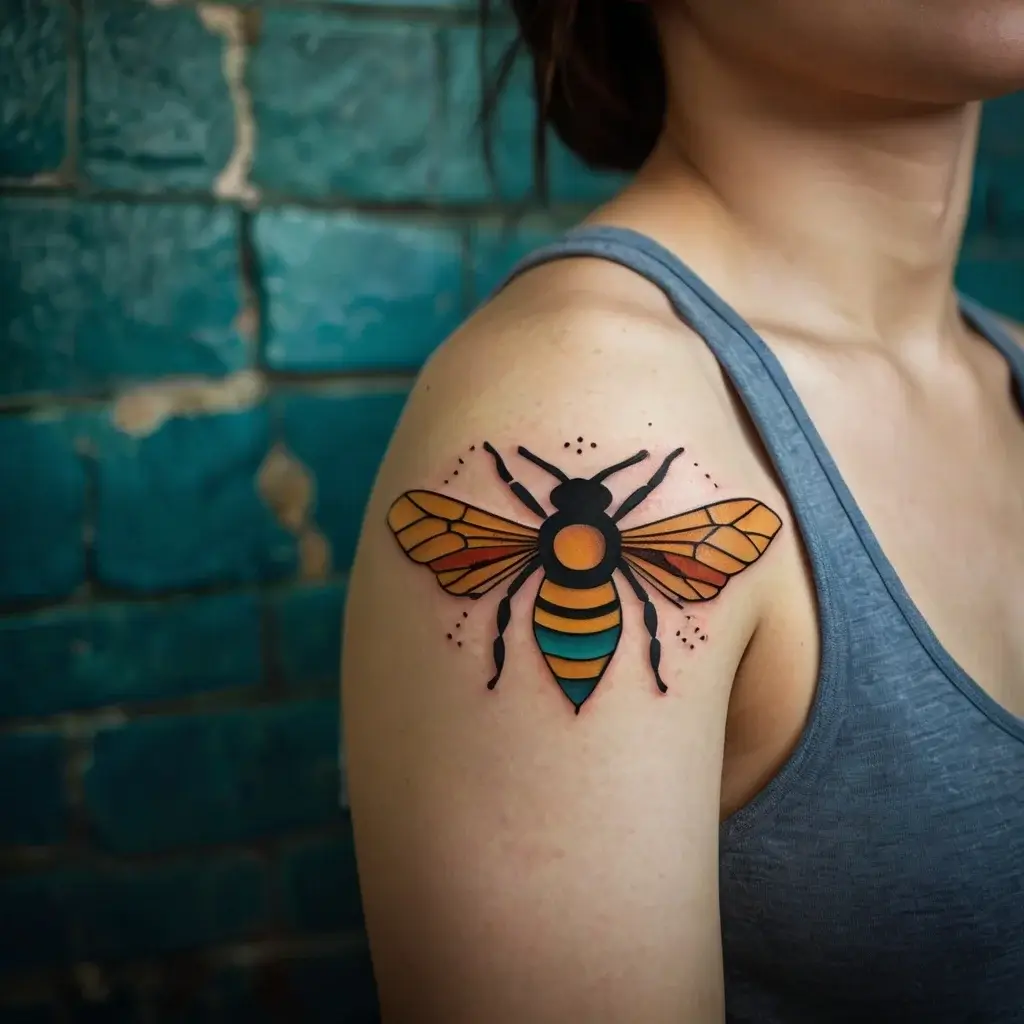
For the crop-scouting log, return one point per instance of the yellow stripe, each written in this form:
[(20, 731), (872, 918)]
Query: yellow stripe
[(545, 618), (594, 597), (576, 669)]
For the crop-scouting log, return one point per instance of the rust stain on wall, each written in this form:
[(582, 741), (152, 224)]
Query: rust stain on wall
[(288, 489)]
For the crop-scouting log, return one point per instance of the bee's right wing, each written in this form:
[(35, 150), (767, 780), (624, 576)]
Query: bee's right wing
[(470, 551), (690, 557)]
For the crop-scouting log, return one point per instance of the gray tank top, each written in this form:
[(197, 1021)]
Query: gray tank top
[(880, 875)]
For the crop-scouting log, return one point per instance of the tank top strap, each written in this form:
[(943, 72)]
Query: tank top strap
[(992, 329)]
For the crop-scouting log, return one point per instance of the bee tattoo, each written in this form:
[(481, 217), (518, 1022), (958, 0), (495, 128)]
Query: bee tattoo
[(579, 548)]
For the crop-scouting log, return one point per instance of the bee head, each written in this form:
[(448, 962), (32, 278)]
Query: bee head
[(581, 494)]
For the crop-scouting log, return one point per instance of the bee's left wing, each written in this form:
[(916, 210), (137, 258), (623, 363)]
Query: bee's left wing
[(470, 551), (690, 557)]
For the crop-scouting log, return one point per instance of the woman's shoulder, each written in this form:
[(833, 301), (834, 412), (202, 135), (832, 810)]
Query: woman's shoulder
[(573, 327)]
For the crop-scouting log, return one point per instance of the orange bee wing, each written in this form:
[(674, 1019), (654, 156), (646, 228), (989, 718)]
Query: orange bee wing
[(470, 551), (690, 557)]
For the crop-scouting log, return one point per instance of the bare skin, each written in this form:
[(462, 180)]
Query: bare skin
[(521, 863)]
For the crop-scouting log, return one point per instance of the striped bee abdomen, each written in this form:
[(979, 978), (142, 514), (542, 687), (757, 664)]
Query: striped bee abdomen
[(577, 632)]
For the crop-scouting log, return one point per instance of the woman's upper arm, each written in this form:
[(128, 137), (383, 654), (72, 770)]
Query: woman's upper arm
[(519, 861)]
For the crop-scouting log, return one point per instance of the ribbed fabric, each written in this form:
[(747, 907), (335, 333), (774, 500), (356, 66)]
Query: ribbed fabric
[(880, 875)]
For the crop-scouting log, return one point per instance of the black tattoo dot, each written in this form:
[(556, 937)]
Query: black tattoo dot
[(691, 646), (579, 451), (566, 445), (449, 636), (472, 447), (461, 463), (707, 476), (446, 481), (593, 444), (458, 643), (695, 463), (696, 629), (458, 625), (703, 636), (579, 440), (716, 487), (465, 615), (455, 473), (679, 632), (650, 424)]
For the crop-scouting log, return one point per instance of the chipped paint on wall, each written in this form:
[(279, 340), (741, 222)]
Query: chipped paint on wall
[(143, 410), (289, 490), (239, 29)]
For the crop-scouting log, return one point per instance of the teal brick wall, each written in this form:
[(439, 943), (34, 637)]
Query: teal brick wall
[(228, 238)]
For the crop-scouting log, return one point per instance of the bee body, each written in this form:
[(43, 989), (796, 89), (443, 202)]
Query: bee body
[(577, 631)]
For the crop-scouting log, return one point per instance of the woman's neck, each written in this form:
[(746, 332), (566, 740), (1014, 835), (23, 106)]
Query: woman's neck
[(851, 208)]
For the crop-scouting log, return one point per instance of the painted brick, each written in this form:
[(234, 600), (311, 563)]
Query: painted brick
[(356, 293), (496, 248), (156, 113), (96, 293), (335, 989), (389, 5), (307, 635), (23, 1013), (42, 497), (978, 214), (106, 1006), (180, 507), (125, 912), (1002, 125), (165, 782), (321, 886), (997, 200), (37, 929), (132, 912), (32, 810), (185, 997), (345, 107), (89, 656), (995, 281), (33, 83), (464, 174), (341, 438)]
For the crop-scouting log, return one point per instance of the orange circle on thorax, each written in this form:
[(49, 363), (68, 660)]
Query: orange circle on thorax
[(579, 546)]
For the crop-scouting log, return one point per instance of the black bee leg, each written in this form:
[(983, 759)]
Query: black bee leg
[(505, 615), (650, 621), (643, 493), (514, 485)]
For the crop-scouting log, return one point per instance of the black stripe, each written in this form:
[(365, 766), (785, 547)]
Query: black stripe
[(576, 613)]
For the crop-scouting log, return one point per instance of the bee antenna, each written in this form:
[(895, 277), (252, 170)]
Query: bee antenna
[(546, 466), (625, 464)]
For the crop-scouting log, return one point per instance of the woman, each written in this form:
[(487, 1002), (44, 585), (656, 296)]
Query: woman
[(763, 761)]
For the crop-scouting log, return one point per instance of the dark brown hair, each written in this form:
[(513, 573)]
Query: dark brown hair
[(597, 75)]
